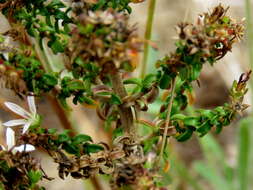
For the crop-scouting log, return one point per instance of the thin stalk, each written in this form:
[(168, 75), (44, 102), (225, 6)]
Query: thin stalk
[(148, 33), (42, 55), (167, 120)]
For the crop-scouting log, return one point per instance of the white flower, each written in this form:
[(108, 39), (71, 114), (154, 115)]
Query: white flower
[(10, 142), (30, 118)]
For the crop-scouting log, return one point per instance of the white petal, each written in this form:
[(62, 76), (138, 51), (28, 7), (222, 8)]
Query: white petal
[(15, 122), (2, 147), (17, 109), (26, 126), (31, 104), (10, 138), (6, 56), (24, 147)]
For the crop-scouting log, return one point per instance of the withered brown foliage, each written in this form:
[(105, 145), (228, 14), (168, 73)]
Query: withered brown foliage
[(15, 168)]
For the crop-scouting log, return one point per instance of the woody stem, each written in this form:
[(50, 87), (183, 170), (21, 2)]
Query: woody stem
[(126, 114)]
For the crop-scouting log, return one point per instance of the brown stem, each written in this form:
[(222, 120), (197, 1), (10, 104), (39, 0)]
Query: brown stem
[(126, 114), (95, 181), (61, 113)]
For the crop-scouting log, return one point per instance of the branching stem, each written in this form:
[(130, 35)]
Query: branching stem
[(126, 114)]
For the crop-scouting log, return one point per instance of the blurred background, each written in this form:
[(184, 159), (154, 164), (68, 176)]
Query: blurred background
[(215, 162)]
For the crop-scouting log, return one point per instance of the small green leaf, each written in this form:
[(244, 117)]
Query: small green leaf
[(93, 148), (56, 46), (185, 136), (70, 148), (117, 132), (76, 85), (204, 129), (115, 99), (136, 81), (148, 80), (49, 79), (165, 81), (87, 100), (191, 121), (226, 19), (79, 139), (79, 61), (52, 131), (87, 29), (178, 117), (1, 39), (64, 137), (34, 176)]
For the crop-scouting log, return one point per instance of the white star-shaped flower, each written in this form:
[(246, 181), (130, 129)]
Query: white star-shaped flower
[(10, 142), (30, 118)]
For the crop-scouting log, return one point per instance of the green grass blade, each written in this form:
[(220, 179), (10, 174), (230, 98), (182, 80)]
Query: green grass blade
[(216, 180), (215, 157), (244, 153), (186, 175)]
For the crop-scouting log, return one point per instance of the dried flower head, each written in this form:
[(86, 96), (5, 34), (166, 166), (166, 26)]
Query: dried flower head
[(103, 39)]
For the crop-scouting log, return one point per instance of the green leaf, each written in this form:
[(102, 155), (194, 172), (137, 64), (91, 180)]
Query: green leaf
[(87, 29), (49, 79), (70, 148), (64, 137), (226, 19), (80, 139), (34, 176), (178, 117), (93, 148), (206, 113), (204, 129), (52, 131), (79, 61), (76, 85), (56, 46), (117, 132), (136, 81), (148, 80), (2, 39), (185, 136), (115, 99), (87, 100), (191, 121), (165, 81)]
